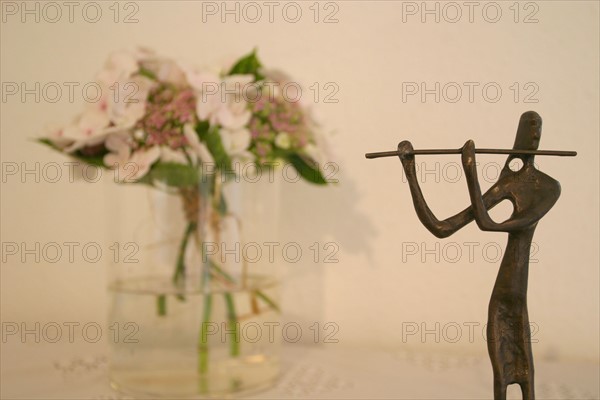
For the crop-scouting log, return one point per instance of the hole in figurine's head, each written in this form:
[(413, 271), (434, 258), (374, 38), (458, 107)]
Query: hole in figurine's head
[(515, 164), (529, 131)]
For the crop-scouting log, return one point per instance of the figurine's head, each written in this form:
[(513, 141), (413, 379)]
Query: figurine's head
[(529, 132), (528, 137)]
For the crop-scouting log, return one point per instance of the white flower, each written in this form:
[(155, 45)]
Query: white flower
[(139, 134), (120, 104), (276, 80), (130, 166), (120, 65), (235, 142), (206, 84), (221, 101), (276, 75), (126, 107), (233, 113), (166, 70), (199, 77), (89, 129), (198, 147), (123, 64), (283, 140), (138, 164), (167, 154), (120, 151), (56, 134), (123, 94), (208, 95)]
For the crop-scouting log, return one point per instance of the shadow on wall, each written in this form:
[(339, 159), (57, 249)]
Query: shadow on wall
[(315, 214), (326, 214)]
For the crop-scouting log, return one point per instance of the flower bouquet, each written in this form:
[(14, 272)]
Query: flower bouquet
[(189, 133)]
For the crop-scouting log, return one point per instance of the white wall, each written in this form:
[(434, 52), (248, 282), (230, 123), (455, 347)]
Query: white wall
[(368, 54)]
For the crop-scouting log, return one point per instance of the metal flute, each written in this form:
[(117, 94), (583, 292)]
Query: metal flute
[(559, 153)]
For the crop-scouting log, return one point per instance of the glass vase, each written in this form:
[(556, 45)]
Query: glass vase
[(194, 293)]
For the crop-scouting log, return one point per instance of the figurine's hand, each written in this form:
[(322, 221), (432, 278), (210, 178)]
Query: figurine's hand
[(468, 154), (407, 157), (405, 150)]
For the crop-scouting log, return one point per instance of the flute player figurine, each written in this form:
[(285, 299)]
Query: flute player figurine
[(532, 194)]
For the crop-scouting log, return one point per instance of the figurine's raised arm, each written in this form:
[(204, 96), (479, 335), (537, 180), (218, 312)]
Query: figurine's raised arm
[(439, 228)]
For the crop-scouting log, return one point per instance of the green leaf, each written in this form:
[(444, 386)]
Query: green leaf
[(96, 159), (49, 143), (207, 189), (210, 136), (222, 208), (248, 64), (172, 174), (307, 168), (147, 73), (46, 141), (202, 128)]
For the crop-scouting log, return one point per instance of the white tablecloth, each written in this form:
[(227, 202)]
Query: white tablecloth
[(44, 371)]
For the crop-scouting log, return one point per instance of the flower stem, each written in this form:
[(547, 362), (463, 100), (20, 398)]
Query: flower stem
[(179, 275), (229, 278), (234, 326), (267, 300), (203, 342), (161, 305)]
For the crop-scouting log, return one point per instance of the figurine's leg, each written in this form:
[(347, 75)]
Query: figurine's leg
[(493, 343), (499, 390), (527, 389), (527, 386)]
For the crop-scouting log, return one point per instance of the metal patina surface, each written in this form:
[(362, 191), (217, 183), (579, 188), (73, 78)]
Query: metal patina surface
[(532, 193)]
